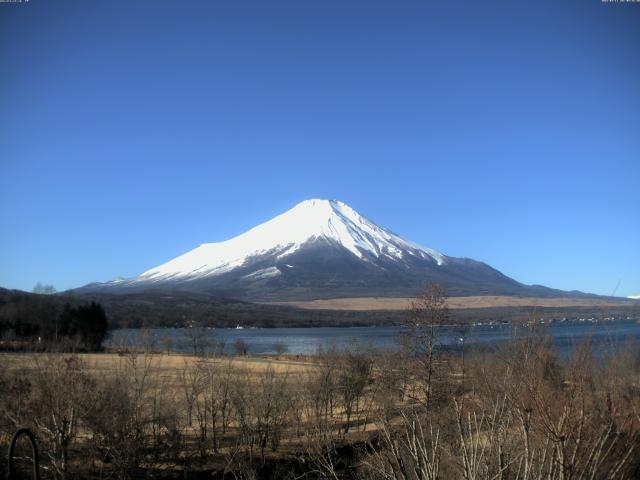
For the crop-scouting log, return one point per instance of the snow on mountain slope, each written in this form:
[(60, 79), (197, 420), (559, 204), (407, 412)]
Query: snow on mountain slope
[(320, 249), (285, 234)]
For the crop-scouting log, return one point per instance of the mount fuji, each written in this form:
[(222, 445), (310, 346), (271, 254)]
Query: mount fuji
[(320, 249)]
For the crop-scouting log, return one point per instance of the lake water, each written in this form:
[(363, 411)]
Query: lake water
[(308, 340)]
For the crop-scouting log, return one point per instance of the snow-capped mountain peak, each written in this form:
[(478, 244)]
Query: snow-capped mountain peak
[(311, 220), (319, 249)]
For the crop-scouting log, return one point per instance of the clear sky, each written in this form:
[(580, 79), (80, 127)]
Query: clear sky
[(508, 132)]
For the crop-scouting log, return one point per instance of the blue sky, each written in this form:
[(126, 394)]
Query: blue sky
[(508, 132)]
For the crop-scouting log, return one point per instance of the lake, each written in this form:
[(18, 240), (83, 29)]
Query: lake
[(565, 335)]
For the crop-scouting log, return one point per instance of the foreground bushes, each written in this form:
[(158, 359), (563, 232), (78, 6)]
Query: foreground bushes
[(515, 413), (523, 414)]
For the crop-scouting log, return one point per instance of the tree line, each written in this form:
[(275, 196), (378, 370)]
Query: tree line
[(29, 321)]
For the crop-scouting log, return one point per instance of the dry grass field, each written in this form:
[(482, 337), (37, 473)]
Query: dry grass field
[(383, 303), (161, 363)]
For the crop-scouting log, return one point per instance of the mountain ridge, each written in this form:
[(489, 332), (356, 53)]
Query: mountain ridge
[(321, 249)]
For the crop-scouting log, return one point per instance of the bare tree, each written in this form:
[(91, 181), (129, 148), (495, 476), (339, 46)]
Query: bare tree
[(322, 387), (420, 337), (191, 383), (197, 339), (241, 347), (408, 449), (121, 413), (280, 348), (216, 395), (353, 378), (261, 408), (59, 404), (167, 341)]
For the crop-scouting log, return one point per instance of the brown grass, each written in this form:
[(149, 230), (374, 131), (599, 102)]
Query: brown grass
[(163, 363), (382, 303)]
